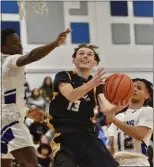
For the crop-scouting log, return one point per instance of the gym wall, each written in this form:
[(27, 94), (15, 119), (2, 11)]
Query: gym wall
[(123, 30)]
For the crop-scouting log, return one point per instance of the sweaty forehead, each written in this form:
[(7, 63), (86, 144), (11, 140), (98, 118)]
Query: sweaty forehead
[(86, 50)]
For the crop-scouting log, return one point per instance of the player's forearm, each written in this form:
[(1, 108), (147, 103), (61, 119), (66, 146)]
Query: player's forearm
[(110, 146), (105, 106), (127, 129), (40, 52), (36, 54), (110, 149), (80, 92)]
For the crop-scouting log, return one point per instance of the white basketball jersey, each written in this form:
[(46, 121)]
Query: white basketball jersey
[(13, 90), (125, 145)]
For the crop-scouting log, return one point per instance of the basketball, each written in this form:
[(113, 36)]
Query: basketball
[(118, 87)]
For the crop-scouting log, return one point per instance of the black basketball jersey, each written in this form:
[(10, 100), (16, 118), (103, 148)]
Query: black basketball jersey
[(66, 113)]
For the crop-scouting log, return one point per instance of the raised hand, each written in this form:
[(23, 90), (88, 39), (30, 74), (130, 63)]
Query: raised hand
[(62, 37), (119, 107), (115, 109), (98, 78)]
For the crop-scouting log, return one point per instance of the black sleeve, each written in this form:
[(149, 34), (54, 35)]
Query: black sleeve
[(60, 78), (99, 89)]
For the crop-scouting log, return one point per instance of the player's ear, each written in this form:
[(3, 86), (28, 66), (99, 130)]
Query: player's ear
[(94, 63), (73, 60), (147, 95)]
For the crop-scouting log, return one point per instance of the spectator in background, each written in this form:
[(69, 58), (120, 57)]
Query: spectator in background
[(44, 155), (46, 90), (36, 100), (37, 130), (27, 90)]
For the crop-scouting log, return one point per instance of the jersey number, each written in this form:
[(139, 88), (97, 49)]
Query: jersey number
[(74, 106), (128, 142)]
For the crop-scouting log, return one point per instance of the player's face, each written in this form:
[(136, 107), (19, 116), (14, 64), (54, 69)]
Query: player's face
[(13, 45), (140, 92), (85, 59)]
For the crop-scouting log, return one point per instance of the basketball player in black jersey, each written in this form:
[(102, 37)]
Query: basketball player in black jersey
[(72, 110)]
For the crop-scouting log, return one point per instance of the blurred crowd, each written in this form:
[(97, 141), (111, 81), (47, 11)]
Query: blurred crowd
[(41, 133)]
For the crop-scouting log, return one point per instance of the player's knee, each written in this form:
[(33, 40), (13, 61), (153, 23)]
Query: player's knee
[(63, 159)]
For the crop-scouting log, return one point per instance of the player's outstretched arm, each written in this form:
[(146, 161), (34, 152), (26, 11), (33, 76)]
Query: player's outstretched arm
[(40, 52), (108, 108), (72, 95), (138, 132), (104, 104), (141, 130)]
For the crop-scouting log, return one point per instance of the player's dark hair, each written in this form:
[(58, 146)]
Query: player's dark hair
[(92, 47), (5, 33), (149, 86)]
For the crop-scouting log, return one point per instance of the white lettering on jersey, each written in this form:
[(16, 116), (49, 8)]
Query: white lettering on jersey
[(125, 145)]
